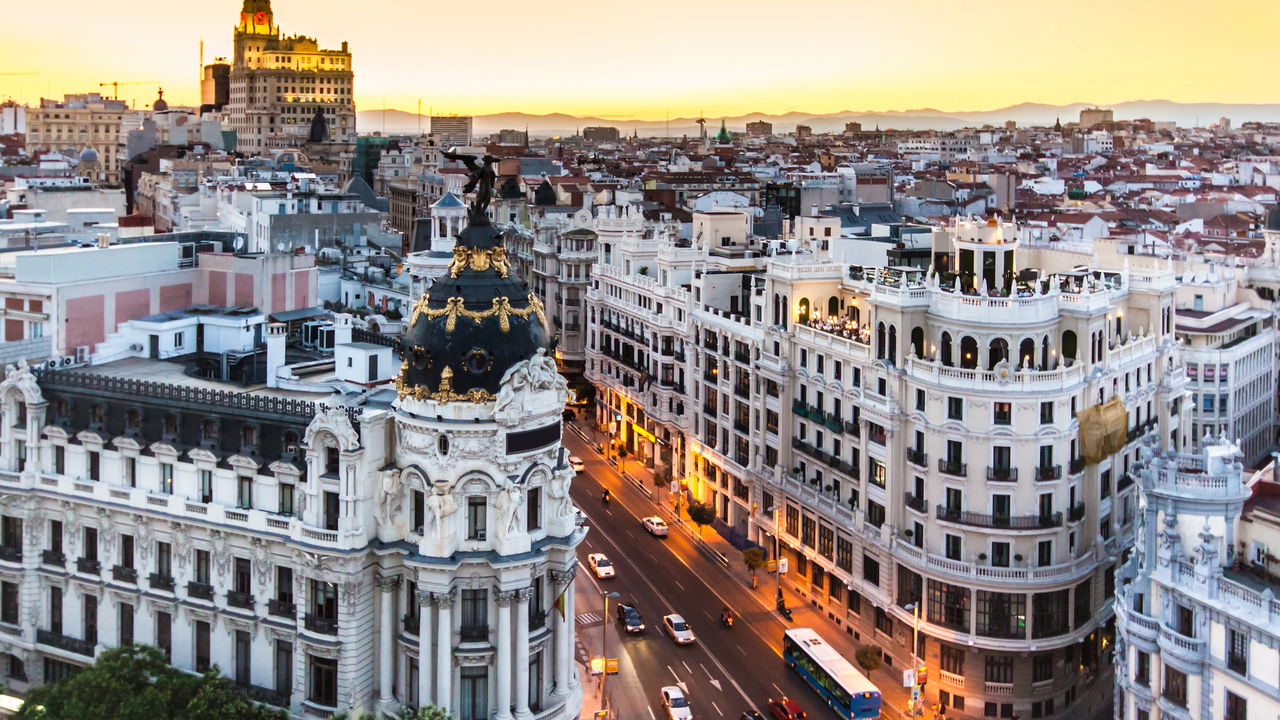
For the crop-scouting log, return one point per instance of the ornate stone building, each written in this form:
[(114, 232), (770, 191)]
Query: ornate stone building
[(328, 545)]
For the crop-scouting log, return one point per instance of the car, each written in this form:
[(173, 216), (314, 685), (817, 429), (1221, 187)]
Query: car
[(679, 630), (629, 616), (784, 708), (675, 703), (600, 565), (656, 526), (750, 715), (576, 463)]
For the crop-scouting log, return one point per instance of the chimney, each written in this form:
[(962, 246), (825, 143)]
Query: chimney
[(276, 333), (813, 209), (341, 329), (104, 240)]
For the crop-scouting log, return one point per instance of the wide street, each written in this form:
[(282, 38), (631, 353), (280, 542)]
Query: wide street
[(727, 670)]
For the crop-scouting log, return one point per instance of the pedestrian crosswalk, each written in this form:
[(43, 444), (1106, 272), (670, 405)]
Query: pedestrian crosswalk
[(587, 618)]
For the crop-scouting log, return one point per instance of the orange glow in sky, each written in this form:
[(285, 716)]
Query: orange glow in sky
[(643, 60)]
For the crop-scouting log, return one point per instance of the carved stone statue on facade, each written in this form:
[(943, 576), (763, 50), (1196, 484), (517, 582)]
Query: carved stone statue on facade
[(508, 503), (389, 503), (558, 491), (440, 505)]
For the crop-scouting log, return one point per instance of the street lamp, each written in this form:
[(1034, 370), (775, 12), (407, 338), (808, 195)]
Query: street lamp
[(604, 652), (915, 661), (777, 549)]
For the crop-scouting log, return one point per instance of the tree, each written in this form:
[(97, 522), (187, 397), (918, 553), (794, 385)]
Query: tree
[(662, 477), (868, 656), (753, 558), (701, 514), (135, 682)]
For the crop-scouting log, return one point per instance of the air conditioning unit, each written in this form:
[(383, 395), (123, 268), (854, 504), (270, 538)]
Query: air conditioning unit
[(68, 360), (480, 534), (51, 364), (82, 353), (136, 347)]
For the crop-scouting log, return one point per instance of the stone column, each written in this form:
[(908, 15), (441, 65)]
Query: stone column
[(444, 650), (424, 647), (502, 709), (563, 639), (386, 636), (522, 653)]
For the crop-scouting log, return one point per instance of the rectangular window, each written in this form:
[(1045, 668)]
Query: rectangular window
[(55, 535), (473, 693), (533, 510), (1049, 613), (284, 667), (1046, 413), (9, 603), (477, 515), (951, 659), (953, 546), (244, 491), (1003, 414), (59, 460), (1042, 667), (1083, 603), (126, 551), (910, 587), (166, 479), (884, 623), (243, 657), (1000, 554), (164, 560), (870, 570), (131, 471), (1237, 708), (201, 571), (90, 551), (322, 688), (1175, 686), (920, 400), (875, 513), (999, 669), (206, 485), (475, 615), (286, 502), (1142, 669), (284, 584), (324, 600), (55, 610), (126, 623), (202, 646), (1044, 553), (955, 408), (330, 510), (1238, 652), (948, 605), (164, 634), (240, 579)]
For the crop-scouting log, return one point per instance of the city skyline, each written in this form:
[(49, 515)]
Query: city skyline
[(926, 65)]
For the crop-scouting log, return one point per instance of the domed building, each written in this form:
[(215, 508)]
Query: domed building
[(88, 165)]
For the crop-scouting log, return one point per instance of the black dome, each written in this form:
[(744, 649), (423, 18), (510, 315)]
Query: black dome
[(1273, 218), (472, 325)]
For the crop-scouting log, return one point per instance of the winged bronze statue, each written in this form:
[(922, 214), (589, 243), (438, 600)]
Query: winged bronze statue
[(481, 180)]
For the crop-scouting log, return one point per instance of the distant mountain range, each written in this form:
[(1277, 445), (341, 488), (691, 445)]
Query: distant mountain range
[(557, 124)]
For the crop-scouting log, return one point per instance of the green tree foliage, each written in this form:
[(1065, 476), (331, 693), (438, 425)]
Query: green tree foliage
[(701, 514), (869, 657), (753, 558), (135, 682), (431, 712)]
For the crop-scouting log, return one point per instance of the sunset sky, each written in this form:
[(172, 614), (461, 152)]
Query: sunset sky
[(645, 59)]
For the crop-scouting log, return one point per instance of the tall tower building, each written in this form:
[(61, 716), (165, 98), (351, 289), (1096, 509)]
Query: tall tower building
[(278, 84)]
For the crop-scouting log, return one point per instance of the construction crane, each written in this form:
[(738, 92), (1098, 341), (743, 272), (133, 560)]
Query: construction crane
[(115, 86), (702, 125), (18, 73)]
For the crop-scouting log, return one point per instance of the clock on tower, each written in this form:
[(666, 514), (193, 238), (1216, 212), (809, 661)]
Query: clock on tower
[(256, 17)]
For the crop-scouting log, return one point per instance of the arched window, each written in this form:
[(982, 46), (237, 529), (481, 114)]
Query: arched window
[(786, 316), (210, 430), (1119, 328), (997, 351), (917, 341), (880, 341), (804, 311), (170, 426), (249, 436), (855, 314), (893, 344), (133, 419), (96, 414), (968, 352), (945, 350), (833, 306), (289, 441), (1027, 353), (777, 310), (1044, 353), (1069, 346)]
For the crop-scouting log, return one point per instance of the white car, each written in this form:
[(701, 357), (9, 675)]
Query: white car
[(655, 525), (676, 704), (600, 565), (678, 629), (576, 463)]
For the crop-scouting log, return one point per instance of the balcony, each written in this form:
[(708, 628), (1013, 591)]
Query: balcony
[(282, 608), (1075, 513), (1047, 473), (798, 408), (742, 426), (88, 566), (1002, 474), (1187, 648), (877, 436), (917, 457), (710, 375), (200, 590), (10, 554), (1010, 522), (53, 557), (953, 467), (323, 625), (709, 410), (161, 582), (916, 503), (411, 624), (834, 423), (853, 428), (1125, 482), (1077, 466), (268, 696), (239, 599), (124, 574), (64, 642), (474, 633)]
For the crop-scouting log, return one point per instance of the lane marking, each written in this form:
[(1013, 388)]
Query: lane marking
[(717, 707), (677, 582), (686, 667), (651, 715), (714, 682), (775, 687), (677, 677), (744, 652)]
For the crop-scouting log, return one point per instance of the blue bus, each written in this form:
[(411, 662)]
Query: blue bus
[(840, 684)]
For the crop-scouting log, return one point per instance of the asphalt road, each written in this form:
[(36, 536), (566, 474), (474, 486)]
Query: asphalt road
[(728, 670)]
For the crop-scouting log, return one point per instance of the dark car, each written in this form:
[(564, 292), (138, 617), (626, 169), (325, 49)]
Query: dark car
[(751, 715), (630, 618), (786, 709)]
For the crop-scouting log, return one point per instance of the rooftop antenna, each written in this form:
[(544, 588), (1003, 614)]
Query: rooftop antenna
[(419, 116), (668, 123)]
